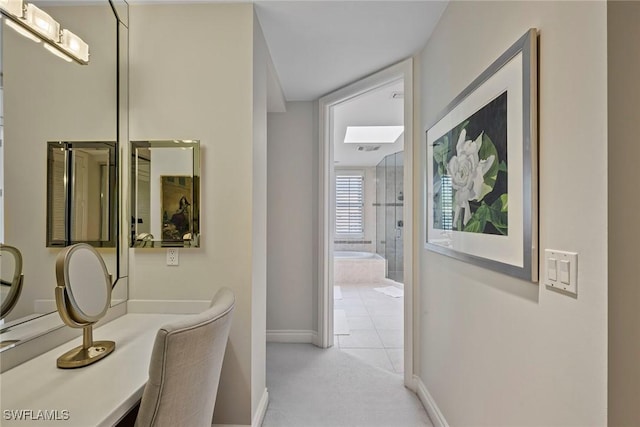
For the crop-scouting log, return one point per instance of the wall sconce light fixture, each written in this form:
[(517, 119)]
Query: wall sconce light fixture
[(36, 24)]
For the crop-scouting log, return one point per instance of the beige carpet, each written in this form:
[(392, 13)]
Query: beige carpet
[(313, 387)]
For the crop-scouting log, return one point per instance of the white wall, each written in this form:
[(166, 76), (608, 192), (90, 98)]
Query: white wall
[(624, 270), (495, 350), (292, 205), (192, 77)]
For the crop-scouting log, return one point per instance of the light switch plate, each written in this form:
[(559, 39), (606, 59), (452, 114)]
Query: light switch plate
[(565, 277)]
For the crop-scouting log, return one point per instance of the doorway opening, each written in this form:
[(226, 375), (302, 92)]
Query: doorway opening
[(365, 277)]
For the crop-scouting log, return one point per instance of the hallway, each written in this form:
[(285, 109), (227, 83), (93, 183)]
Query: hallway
[(309, 386), (369, 324)]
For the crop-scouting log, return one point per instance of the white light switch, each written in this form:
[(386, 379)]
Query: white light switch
[(552, 269), (562, 270)]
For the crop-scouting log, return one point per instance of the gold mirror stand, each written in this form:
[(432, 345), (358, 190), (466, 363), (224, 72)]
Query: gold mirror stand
[(78, 315), (90, 351)]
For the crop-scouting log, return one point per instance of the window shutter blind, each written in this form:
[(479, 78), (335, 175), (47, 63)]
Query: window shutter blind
[(447, 203), (349, 204)]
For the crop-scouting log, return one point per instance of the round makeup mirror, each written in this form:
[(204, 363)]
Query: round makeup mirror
[(82, 297), (10, 278)]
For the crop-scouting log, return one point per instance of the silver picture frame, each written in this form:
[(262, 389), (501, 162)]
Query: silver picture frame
[(481, 180)]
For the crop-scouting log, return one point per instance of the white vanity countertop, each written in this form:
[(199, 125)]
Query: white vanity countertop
[(95, 395), (35, 325)]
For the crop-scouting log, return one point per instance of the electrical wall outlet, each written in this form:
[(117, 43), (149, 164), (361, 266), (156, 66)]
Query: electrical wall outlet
[(172, 257)]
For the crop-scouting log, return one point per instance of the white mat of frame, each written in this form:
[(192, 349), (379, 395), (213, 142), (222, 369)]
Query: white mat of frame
[(337, 292), (392, 291), (340, 323)]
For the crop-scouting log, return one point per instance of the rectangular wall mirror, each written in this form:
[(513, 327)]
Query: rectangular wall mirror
[(165, 193), (81, 193)]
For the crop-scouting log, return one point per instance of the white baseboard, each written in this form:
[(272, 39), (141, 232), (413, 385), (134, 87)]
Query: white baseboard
[(316, 340), (258, 418), (429, 404), (261, 410), (167, 306), (291, 336)]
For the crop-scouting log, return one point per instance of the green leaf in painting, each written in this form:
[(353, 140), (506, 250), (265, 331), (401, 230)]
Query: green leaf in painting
[(499, 214), (441, 154), (479, 219), (502, 203), (474, 226)]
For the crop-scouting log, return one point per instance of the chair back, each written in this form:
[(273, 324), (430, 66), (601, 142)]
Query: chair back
[(185, 367)]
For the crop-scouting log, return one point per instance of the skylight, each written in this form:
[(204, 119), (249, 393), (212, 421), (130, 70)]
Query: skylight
[(372, 134)]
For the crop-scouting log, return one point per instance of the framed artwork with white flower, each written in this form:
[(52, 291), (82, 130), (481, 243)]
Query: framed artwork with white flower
[(481, 174)]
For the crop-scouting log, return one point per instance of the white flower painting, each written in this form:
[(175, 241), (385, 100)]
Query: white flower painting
[(470, 179)]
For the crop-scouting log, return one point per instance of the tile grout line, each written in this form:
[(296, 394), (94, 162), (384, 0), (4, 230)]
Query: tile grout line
[(375, 328)]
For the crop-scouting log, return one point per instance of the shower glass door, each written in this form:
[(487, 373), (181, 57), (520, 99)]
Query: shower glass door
[(389, 214)]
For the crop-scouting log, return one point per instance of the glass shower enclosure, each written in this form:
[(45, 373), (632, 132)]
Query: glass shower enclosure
[(389, 214)]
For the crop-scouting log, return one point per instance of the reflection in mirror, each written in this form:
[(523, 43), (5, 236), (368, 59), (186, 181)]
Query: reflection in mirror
[(165, 177), (67, 102), (81, 193), (48, 99), (10, 278)]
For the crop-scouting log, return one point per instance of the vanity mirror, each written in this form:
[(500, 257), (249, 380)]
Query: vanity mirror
[(82, 296), (165, 192), (46, 98)]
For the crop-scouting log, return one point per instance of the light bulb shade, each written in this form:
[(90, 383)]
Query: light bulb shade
[(74, 45), (40, 21), (12, 7)]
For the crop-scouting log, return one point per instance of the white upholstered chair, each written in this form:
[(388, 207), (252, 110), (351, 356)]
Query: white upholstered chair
[(185, 368)]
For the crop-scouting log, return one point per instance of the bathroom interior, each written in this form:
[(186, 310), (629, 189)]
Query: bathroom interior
[(368, 244)]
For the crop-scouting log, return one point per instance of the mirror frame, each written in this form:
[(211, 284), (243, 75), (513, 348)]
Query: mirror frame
[(146, 240), (72, 313), (16, 281)]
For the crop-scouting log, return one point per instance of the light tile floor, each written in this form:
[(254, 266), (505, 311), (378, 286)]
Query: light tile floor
[(375, 323)]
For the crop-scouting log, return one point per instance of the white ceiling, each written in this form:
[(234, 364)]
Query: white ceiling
[(374, 108), (320, 46)]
